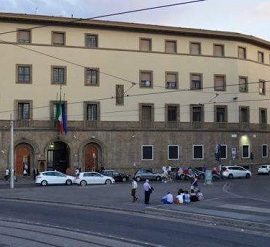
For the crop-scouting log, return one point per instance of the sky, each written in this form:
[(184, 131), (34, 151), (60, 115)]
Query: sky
[(251, 17)]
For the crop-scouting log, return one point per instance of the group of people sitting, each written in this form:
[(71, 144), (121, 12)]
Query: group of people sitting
[(183, 197)]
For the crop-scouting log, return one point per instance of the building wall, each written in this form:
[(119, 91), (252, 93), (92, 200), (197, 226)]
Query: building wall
[(119, 132)]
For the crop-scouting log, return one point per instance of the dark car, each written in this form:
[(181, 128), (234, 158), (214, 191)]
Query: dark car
[(143, 174), (118, 177)]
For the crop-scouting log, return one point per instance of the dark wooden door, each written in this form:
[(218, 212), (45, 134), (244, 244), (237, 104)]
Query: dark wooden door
[(23, 154), (91, 157)]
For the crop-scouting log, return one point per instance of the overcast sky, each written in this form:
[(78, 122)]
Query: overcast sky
[(245, 16)]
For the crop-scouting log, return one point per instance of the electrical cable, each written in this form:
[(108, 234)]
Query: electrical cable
[(113, 14)]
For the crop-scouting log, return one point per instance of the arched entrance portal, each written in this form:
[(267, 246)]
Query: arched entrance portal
[(58, 156), (23, 158), (92, 157)]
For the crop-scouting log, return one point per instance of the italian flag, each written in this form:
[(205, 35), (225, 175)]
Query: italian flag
[(61, 118)]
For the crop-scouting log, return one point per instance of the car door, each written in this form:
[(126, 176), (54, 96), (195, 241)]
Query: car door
[(60, 178), (90, 178), (99, 179), (242, 172), (50, 177)]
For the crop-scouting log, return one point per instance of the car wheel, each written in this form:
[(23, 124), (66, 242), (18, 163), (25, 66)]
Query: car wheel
[(269, 173), (108, 181), (138, 179), (230, 176), (68, 182), (43, 183), (247, 175), (158, 178), (124, 179), (83, 183)]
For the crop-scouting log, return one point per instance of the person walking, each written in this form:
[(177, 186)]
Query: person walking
[(7, 174), (134, 187), (147, 191)]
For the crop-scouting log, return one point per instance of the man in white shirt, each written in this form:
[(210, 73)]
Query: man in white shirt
[(147, 191), (167, 199), (134, 187)]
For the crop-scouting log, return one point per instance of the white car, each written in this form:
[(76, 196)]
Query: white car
[(264, 169), (235, 172), (53, 177), (85, 178)]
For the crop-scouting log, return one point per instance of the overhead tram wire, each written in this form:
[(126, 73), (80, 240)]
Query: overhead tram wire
[(146, 94), (91, 18), (113, 14)]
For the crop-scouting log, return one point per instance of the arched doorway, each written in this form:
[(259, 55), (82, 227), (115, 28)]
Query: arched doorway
[(92, 157), (58, 156), (23, 158)]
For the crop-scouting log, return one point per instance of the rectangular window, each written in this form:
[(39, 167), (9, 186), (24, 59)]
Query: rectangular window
[(198, 152), (24, 36), (171, 80), (243, 84), (195, 48), (119, 94), (223, 151), (244, 114), (263, 116), (91, 77), (173, 152), (147, 152), (24, 111), (262, 87), (91, 40), (260, 57), (147, 113), (171, 46), (242, 54), (218, 50), (58, 38), (172, 113), (220, 82), (58, 75), (24, 74), (197, 113), (221, 114), (92, 112), (245, 151), (146, 79), (145, 44), (196, 81), (264, 150)]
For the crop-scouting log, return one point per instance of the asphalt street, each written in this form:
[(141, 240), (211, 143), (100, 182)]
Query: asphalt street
[(107, 212), (150, 231)]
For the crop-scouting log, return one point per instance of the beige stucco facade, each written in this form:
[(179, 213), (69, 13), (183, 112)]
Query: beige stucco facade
[(120, 61)]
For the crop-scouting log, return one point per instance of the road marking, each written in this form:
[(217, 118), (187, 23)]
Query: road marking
[(246, 208)]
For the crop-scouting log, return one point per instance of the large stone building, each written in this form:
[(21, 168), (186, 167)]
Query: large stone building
[(135, 95)]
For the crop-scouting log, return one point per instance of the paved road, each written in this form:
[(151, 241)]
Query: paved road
[(108, 210), (135, 229)]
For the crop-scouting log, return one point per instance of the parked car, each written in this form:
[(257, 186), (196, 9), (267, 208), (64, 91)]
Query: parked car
[(143, 174), (235, 171), (85, 178), (118, 177), (264, 169), (53, 177)]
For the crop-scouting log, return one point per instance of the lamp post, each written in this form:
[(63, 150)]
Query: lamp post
[(11, 152)]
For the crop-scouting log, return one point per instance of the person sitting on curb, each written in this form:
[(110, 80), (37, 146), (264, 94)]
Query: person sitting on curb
[(167, 199), (186, 197), (200, 195), (193, 196), (180, 197)]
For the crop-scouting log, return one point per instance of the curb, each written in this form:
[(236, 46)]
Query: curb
[(215, 220)]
